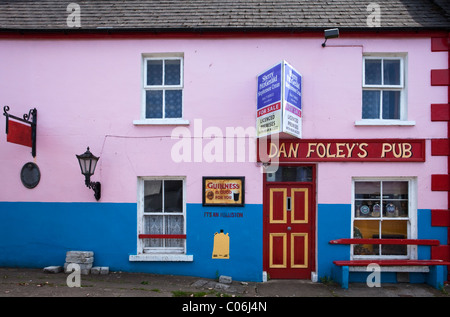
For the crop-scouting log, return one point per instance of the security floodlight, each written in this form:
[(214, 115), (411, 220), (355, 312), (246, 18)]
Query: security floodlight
[(330, 34)]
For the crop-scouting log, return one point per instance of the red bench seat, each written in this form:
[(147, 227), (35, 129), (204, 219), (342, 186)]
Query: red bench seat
[(435, 276)]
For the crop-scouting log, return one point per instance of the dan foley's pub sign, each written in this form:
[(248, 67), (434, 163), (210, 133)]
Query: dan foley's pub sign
[(347, 150), (223, 191)]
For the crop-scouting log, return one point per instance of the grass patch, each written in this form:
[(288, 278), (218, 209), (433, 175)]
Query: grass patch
[(190, 294)]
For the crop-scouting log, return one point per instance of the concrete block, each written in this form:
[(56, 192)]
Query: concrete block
[(102, 270), (74, 259), (225, 279), (95, 270), (84, 268), (222, 287), (85, 254)]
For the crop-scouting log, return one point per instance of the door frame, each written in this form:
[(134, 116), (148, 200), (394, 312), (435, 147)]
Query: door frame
[(312, 247)]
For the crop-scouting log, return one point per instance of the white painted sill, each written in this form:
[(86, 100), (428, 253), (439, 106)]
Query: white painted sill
[(160, 122), (161, 258), (376, 122)]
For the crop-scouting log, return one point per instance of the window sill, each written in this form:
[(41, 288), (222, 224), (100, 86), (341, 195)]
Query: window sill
[(161, 258), (161, 122), (377, 122)]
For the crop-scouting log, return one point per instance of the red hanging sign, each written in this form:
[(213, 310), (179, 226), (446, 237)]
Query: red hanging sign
[(22, 130), (19, 133)]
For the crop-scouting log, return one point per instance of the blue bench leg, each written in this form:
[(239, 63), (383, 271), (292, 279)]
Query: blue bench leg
[(340, 275), (435, 277)]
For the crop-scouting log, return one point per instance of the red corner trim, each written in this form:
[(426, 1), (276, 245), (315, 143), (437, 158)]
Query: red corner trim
[(439, 44), (440, 147), (440, 218), (440, 112), (440, 77), (440, 182)]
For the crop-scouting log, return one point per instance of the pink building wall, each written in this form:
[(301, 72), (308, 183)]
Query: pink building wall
[(88, 92)]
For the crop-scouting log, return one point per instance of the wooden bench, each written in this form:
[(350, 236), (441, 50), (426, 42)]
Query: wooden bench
[(436, 268)]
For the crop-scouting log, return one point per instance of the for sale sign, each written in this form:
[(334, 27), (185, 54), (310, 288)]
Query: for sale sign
[(279, 101), (269, 101)]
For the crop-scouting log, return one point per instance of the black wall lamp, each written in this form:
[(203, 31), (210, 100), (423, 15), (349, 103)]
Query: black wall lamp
[(330, 34), (88, 162)]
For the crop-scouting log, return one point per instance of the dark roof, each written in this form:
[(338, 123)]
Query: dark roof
[(179, 15)]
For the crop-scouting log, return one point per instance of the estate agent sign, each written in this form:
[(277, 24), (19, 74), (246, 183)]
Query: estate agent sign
[(279, 101)]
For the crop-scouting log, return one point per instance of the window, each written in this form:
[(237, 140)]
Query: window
[(291, 174), (383, 94), (161, 212), (162, 94), (383, 209)]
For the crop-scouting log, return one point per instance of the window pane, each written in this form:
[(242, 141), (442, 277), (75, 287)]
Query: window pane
[(173, 196), (395, 199), (154, 72), (367, 190), (173, 103), (371, 104), (391, 72), (154, 102), (365, 230), (393, 229), (367, 199), (395, 190), (172, 72), (152, 196), (153, 225), (174, 225), (291, 174), (391, 104), (373, 72)]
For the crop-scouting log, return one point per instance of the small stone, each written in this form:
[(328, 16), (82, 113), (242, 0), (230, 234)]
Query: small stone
[(53, 269)]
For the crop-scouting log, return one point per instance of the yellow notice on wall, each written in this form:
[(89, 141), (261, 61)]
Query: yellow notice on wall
[(221, 248)]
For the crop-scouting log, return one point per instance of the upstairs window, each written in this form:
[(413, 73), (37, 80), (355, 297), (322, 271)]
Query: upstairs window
[(163, 88), (383, 96)]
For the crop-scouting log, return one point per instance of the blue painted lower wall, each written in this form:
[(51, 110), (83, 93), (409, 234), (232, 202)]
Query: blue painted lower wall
[(35, 235)]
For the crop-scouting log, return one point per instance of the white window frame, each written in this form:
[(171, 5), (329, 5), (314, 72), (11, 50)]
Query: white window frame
[(402, 87), (144, 87), (411, 219), (158, 254)]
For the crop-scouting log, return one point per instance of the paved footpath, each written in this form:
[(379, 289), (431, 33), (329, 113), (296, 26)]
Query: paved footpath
[(35, 283)]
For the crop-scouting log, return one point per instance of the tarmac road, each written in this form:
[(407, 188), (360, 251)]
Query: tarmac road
[(16, 282)]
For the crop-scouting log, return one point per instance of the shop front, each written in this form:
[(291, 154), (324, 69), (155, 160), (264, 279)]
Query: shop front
[(317, 191)]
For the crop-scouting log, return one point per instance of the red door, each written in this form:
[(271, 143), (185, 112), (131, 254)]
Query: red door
[(289, 231)]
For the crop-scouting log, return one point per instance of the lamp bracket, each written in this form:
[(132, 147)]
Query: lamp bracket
[(97, 187)]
